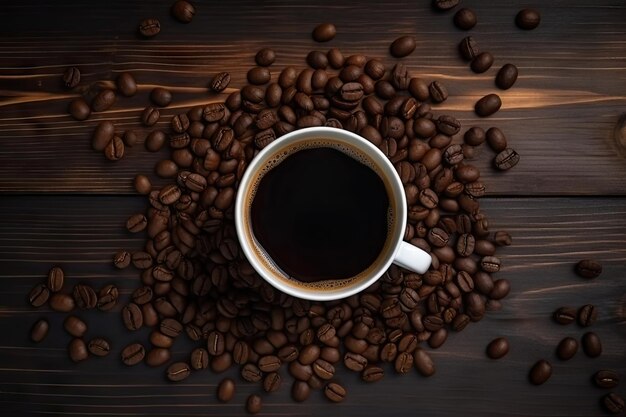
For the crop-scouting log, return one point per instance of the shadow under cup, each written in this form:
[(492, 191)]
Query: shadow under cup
[(278, 151)]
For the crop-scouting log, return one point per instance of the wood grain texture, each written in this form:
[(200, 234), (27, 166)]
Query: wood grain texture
[(550, 235), (560, 115)]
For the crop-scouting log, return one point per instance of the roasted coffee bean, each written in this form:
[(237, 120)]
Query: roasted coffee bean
[(506, 159), (565, 315), (39, 295), (251, 373), (84, 296), (438, 92), (496, 139), (259, 75), (540, 372), (149, 27), (606, 378), (323, 369), (588, 268), (61, 302), (300, 391), (55, 279), (102, 135), (133, 354), (469, 48), (142, 184), (334, 392), (488, 105), (527, 19), (99, 347), (121, 260), (107, 298), (178, 370), (403, 362), (132, 316), (171, 327), (269, 363), (587, 315), (444, 5), (482, 62), (149, 117), (448, 125), (39, 331), (423, 362), (254, 404), (71, 77), (79, 109), (126, 84), (114, 151), (506, 77), (199, 359), (591, 345), (75, 326), (613, 403), (160, 96), (77, 350), (324, 32), (474, 136), (183, 11), (372, 373), (166, 168), (403, 46), (142, 260), (157, 357), (465, 19), (265, 57), (226, 390), (502, 238), (104, 100), (567, 348), (219, 82)]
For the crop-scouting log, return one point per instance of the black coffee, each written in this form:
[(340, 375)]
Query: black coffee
[(321, 214)]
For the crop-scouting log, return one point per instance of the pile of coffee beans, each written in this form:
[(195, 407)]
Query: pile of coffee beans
[(196, 282)]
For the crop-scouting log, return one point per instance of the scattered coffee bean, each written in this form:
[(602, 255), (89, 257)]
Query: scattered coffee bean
[(178, 371), (540, 372), (104, 100), (488, 105), (403, 46), (39, 331), (157, 357), (56, 278), (506, 159), (506, 77), (444, 5), (183, 11), (423, 362), (254, 404), (75, 326), (606, 378), (226, 390), (265, 57), (469, 48), (324, 32), (155, 139), (102, 135), (99, 347), (613, 403), (496, 139), (335, 392), (136, 223), (482, 62), (567, 348), (133, 354), (79, 109), (107, 298), (527, 19), (142, 184), (114, 151), (150, 116), (565, 315), (300, 391), (132, 316), (498, 348), (84, 296), (39, 295), (149, 27), (121, 259), (77, 350), (587, 315), (71, 77), (588, 268), (591, 345), (220, 82), (465, 19), (438, 92), (126, 84), (61, 302), (161, 96)]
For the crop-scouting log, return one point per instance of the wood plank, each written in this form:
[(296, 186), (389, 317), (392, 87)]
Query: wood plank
[(550, 235), (560, 116)]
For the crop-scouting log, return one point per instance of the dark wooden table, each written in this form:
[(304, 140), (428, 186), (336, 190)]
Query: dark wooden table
[(61, 203)]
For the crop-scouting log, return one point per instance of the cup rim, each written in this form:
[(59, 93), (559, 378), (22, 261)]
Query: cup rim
[(384, 163)]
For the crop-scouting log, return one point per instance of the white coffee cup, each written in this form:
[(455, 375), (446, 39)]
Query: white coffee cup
[(395, 250)]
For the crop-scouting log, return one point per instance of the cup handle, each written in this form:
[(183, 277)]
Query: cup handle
[(412, 258)]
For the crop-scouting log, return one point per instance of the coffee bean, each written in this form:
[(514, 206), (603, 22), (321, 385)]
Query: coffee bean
[(444, 5), (324, 32), (126, 84), (269, 363), (178, 371), (423, 362), (75, 326), (39, 295), (142, 184), (587, 315), (498, 348), (589, 268), (226, 390), (107, 298), (438, 92), (99, 347), (183, 11), (591, 345), (488, 105), (160, 96), (114, 151), (540, 372), (84, 296), (469, 48), (567, 348), (55, 279), (502, 238), (606, 378), (199, 359), (482, 62), (102, 135), (220, 81), (254, 404), (61, 302), (506, 159), (149, 27), (403, 46), (251, 373), (496, 139), (527, 19), (77, 350), (133, 354), (565, 315), (71, 77), (323, 369), (79, 109), (334, 392), (372, 373), (272, 382), (149, 117), (403, 362), (465, 19), (300, 391), (132, 316), (613, 403), (170, 327), (39, 331), (259, 75), (104, 100), (265, 57), (506, 77), (157, 357)]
